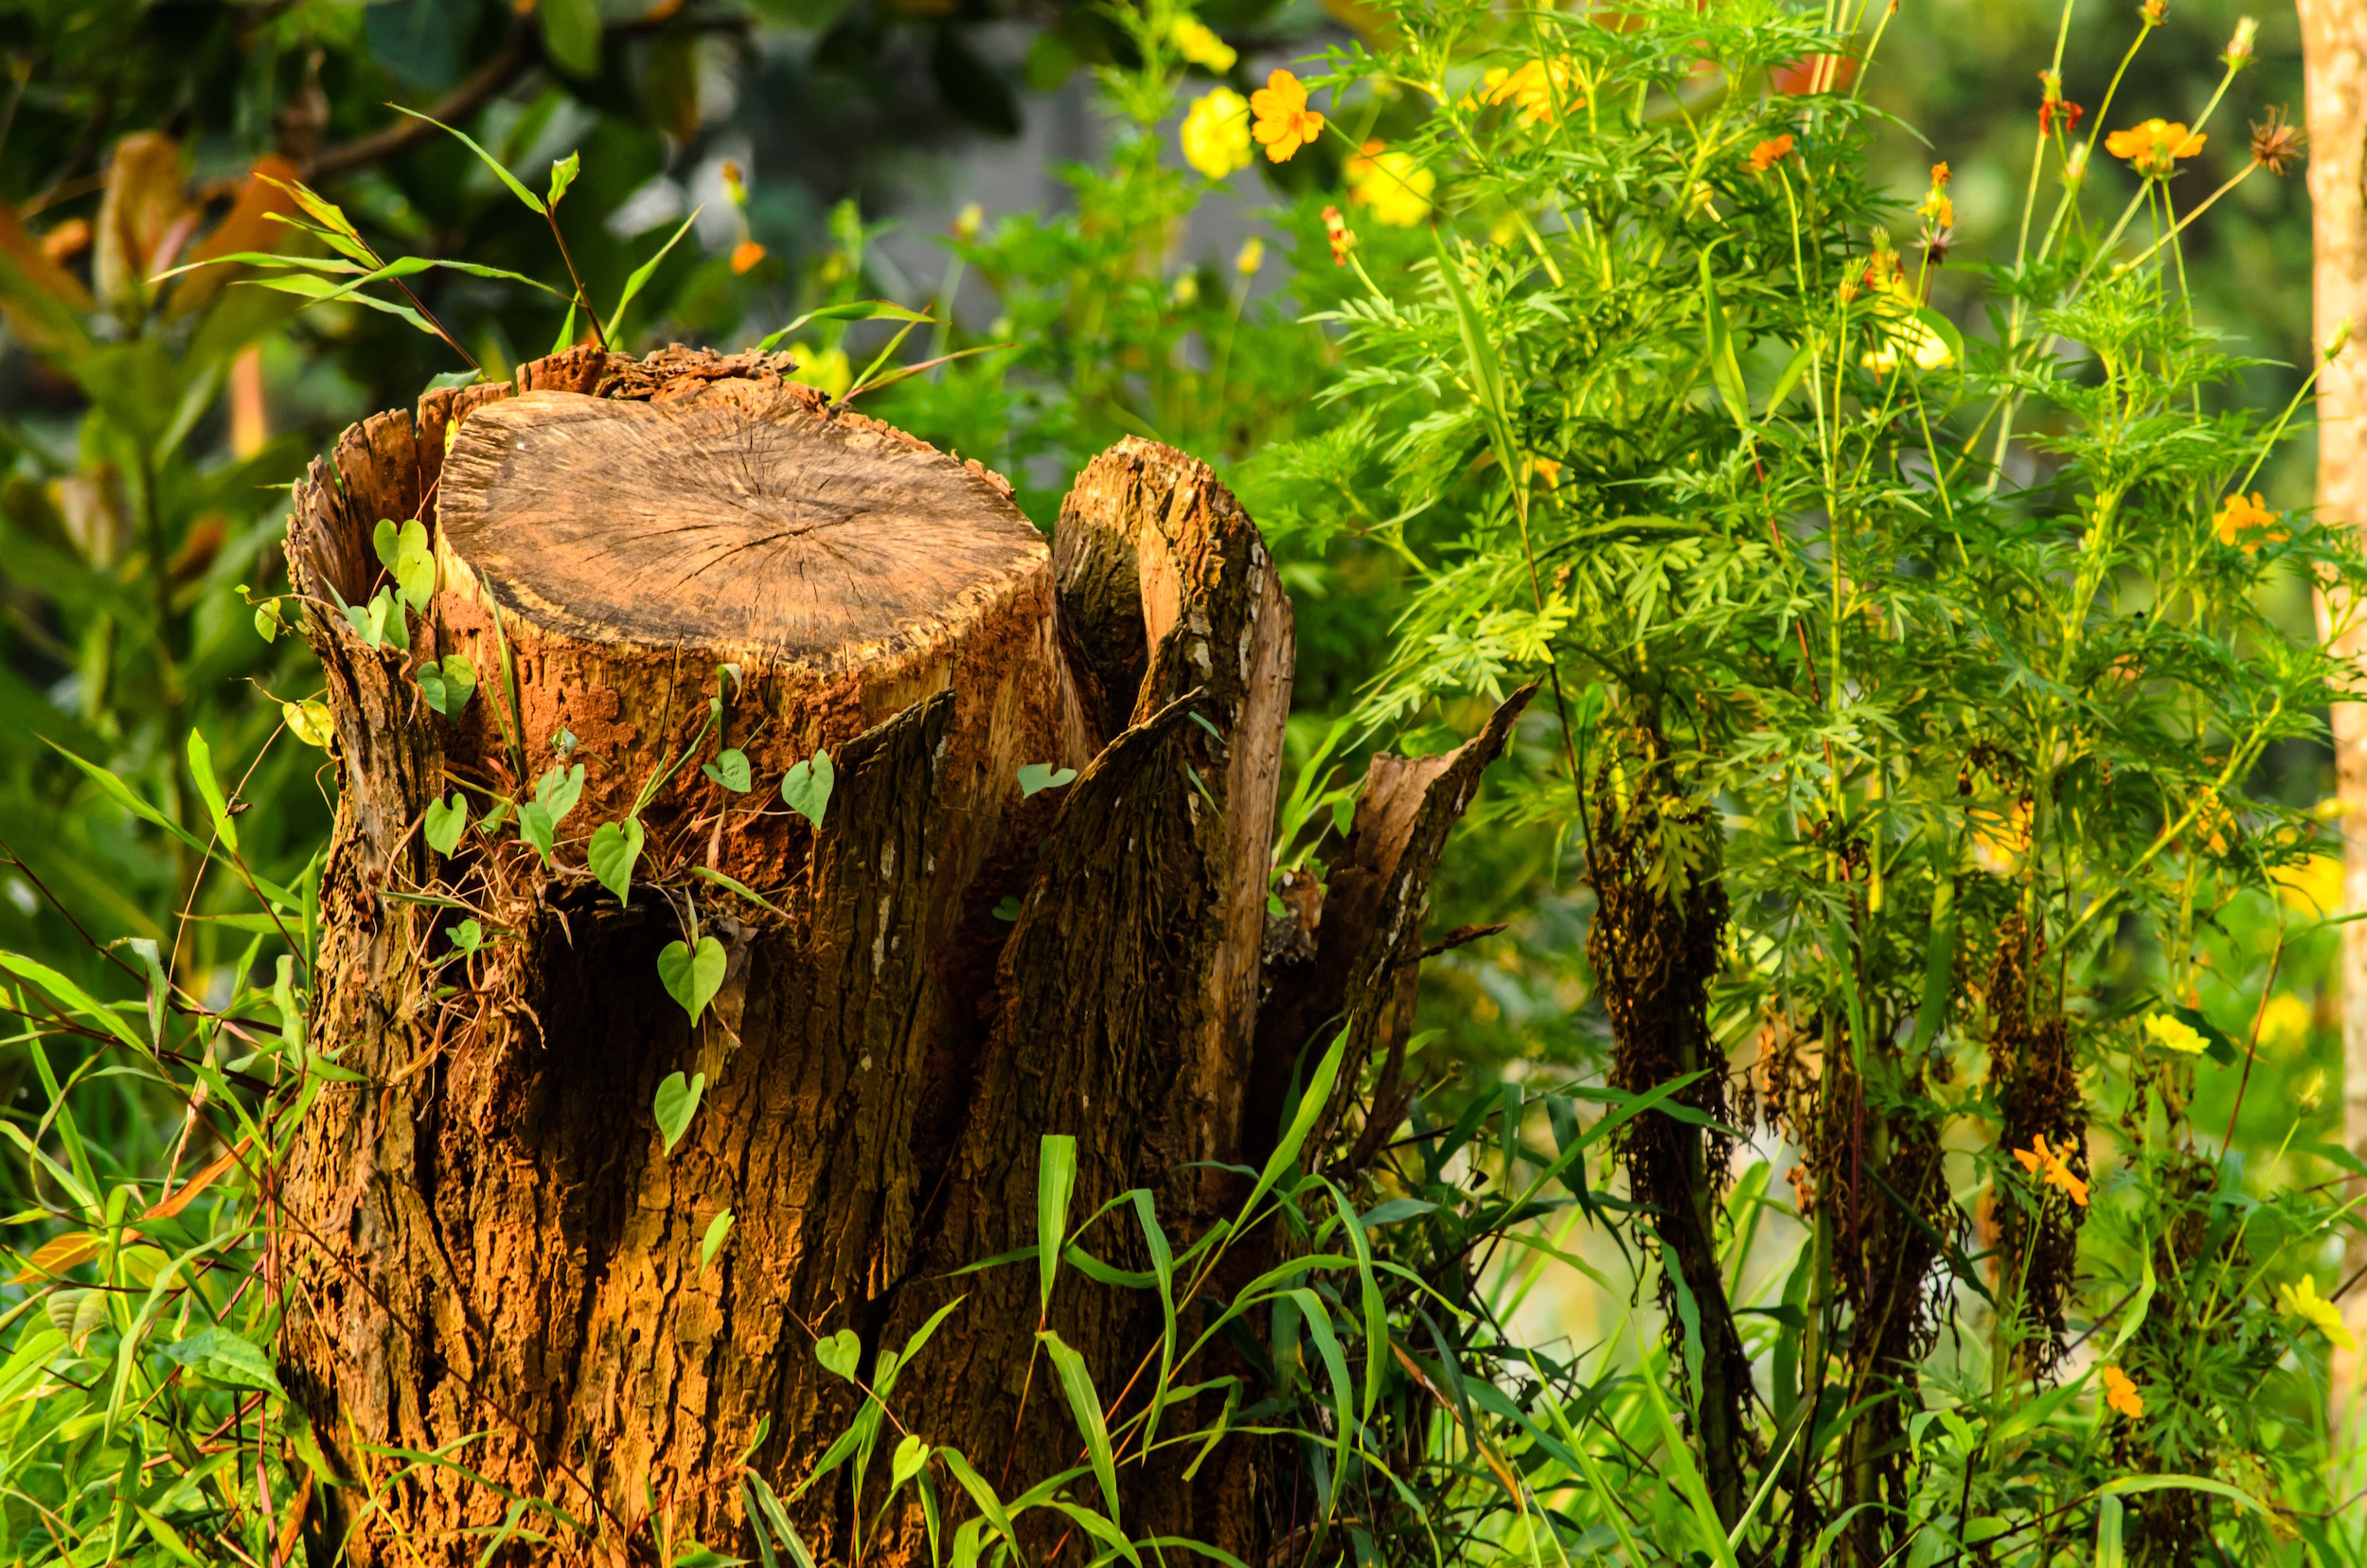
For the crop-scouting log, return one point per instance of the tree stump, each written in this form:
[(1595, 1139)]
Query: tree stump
[(490, 1242)]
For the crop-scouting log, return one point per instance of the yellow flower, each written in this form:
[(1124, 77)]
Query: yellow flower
[(1285, 123), (2057, 1165), (1197, 43), (825, 369), (2155, 146), (2121, 1393), (2174, 1034), (1391, 184), (2303, 1302), (1901, 334), (1216, 134), (1252, 257), (2285, 1021), (1541, 90), (2243, 516), (2314, 886)]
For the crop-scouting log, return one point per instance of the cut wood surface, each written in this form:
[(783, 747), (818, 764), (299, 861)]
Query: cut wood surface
[(493, 1242)]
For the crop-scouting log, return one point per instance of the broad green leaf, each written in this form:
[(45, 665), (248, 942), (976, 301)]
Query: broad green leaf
[(730, 770), (1056, 1181), (218, 1354), (208, 789), (468, 937), (1035, 778), (445, 821), (402, 549), (615, 849), (807, 786), (677, 1102), (719, 1230), (840, 1353), (557, 791), (1084, 1403), (564, 172), (309, 723), (449, 686), (535, 826), (692, 978), (911, 1454)]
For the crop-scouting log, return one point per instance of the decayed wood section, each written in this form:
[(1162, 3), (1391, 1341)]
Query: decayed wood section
[(489, 1244)]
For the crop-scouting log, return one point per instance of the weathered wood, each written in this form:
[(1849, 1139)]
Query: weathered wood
[(488, 1236), (499, 1242)]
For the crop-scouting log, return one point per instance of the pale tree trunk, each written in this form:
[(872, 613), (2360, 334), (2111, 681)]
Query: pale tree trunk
[(2333, 43), (491, 1242)]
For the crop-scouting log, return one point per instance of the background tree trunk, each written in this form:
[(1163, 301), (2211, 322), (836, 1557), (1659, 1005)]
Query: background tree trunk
[(489, 1237), (2334, 48)]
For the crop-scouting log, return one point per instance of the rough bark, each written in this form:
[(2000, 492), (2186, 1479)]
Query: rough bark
[(492, 1245), (2333, 49)]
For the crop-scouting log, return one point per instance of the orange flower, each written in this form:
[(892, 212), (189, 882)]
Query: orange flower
[(2121, 1394), (746, 255), (1770, 152), (2242, 516), (1285, 123), (2056, 1163), (1335, 231), (2155, 146)]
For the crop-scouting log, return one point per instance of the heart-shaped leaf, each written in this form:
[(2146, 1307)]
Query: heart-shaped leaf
[(1036, 777), (677, 1102), (494, 818), (468, 937), (692, 979), (729, 769), (615, 849), (909, 1456), (718, 1229), (386, 624), (309, 723), (807, 788), (1006, 908), (840, 1353), (446, 821), (536, 826), (448, 685), (403, 551), (558, 790)]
